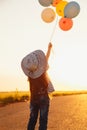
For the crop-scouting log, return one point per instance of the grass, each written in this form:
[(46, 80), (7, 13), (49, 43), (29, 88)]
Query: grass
[(11, 97), (20, 96), (65, 93)]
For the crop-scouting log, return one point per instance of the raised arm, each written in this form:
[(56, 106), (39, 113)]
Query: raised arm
[(48, 50)]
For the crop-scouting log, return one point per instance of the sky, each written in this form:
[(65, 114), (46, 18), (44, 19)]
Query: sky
[(22, 31)]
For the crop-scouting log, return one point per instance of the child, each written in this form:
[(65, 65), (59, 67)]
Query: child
[(35, 66)]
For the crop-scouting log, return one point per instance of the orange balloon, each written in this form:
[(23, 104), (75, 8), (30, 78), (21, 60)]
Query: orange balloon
[(55, 2), (65, 24), (48, 15)]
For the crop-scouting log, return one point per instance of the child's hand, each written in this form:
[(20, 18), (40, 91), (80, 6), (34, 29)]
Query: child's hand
[(50, 45)]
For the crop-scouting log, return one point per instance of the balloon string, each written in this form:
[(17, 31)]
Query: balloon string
[(54, 29)]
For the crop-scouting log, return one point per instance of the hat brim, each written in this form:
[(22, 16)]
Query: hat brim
[(42, 64)]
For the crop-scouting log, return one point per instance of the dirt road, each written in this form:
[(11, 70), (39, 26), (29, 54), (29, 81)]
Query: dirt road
[(66, 113)]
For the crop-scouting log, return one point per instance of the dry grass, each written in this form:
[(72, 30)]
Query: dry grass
[(63, 93), (11, 97), (18, 96), (13, 94)]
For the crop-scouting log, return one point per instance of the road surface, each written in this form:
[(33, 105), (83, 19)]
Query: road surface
[(65, 113)]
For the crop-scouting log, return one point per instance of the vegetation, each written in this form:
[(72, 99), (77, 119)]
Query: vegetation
[(65, 93), (20, 96), (11, 97)]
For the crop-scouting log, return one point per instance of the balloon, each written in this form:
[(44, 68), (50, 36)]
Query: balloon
[(71, 10), (65, 24), (60, 7), (48, 15), (55, 2), (45, 2)]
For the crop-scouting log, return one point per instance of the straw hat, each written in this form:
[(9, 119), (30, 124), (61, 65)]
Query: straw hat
[(34, 64)]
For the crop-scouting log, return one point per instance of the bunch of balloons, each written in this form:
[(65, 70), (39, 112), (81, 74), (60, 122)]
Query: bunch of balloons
[(66, 10)]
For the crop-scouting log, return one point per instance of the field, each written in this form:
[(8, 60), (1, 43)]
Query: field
[(20, 96), (11, 97)]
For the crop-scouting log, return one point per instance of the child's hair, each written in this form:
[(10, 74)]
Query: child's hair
[(43, 79)]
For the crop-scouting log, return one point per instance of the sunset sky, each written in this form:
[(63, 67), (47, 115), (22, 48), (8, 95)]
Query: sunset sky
[(22, 31)]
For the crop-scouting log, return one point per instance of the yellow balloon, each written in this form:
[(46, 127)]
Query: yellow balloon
[(48, 15), (60, 7)]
